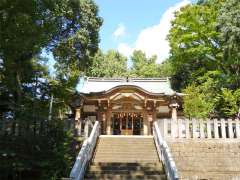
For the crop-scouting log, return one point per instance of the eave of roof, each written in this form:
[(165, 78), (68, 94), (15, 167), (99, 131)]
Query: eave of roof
[(151, 86)]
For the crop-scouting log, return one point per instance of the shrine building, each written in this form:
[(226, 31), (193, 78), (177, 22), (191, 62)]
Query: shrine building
[(125, 106)]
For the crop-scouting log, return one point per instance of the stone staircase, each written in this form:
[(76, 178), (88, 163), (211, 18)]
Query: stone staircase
[(125, 158), (206, 159)]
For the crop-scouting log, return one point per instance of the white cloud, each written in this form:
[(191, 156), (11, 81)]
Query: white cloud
[(120, 31), (152, 40), (125, 49)]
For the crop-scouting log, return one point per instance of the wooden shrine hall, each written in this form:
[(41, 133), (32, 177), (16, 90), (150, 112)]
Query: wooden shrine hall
[(125, 106)]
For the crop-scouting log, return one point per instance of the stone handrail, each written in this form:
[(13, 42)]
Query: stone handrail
[(199, 128), (164, 153), (85, 154)]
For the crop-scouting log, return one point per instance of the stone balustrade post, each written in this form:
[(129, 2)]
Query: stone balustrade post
[(230, 128), (187, 128), (223, 128), (174, 128), (209, 133), (215, 121), (174, 124), (86, 128), (165, 127), (194, 128), (237, 128), (201, 126), (180, 129)]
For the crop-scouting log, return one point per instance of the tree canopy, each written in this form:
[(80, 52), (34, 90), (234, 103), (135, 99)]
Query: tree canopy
[(68, 29), (114, 64), (204, 41), (109, 64), (144, 66)]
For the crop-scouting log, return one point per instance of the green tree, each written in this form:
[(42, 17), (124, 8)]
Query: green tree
[(68, 29), (195, 105), (165, 69), (143, 66), (201, 98), (194, 42), (230, 102), (110, 64), (229, 28)]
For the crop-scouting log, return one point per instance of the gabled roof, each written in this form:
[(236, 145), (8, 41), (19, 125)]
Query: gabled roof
[(150, 85)]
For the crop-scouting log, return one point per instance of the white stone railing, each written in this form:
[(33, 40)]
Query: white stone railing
[(197, 128), (85, 154), (164, 153)]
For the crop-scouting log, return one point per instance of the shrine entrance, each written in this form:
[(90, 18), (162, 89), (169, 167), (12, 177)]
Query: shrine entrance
[(124, 123)]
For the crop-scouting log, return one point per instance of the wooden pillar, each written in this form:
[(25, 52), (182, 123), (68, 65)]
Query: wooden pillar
[(107, 120), (78, 122), (145, 124), (150, 120), (99, 118), (78, 114), (154, 117)]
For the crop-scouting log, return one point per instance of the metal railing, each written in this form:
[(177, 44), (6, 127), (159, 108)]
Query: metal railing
[(164, 153), (85, 154)]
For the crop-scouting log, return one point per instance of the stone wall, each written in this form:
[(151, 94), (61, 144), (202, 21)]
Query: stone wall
[(206, 159)]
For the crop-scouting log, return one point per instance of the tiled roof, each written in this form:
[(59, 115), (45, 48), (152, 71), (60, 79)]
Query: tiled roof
[(151, 85)]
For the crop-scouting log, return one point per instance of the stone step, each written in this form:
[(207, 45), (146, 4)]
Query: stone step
[(149, 140), (125, 142), (127, 152), (99, 156), (126, 177), (138, 141), (125, 172), (147, 167), (113, 150), (120, 160), (125, 158), (107, 144), (114, 164), (126, 145)]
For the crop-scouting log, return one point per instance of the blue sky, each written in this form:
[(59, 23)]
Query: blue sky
[(137, 24)]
